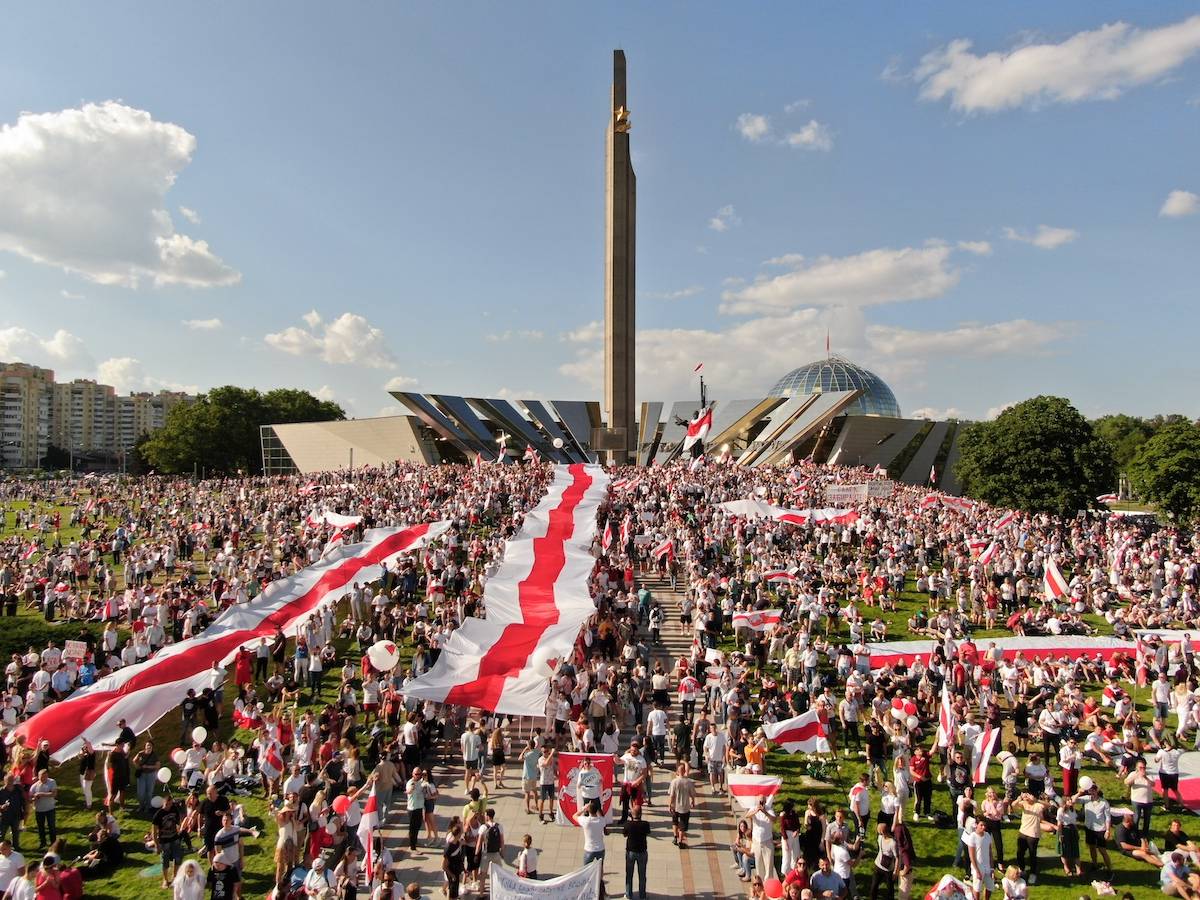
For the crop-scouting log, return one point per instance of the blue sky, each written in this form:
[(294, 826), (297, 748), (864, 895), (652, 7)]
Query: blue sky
[(981, 204)]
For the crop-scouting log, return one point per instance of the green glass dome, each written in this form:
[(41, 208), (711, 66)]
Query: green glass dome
[(837, 374)]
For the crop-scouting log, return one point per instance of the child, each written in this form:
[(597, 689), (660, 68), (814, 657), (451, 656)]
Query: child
[(527, 859)]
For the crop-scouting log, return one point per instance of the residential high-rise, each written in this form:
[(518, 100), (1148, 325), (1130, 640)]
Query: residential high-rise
[(83, 416), (144, 413), (25, 402)]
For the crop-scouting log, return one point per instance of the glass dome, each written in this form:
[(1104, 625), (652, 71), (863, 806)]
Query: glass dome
[(837, 374)]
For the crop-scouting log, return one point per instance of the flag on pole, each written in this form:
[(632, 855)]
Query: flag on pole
[(477, 463), (271, 763), (531, 455), (626, 530), (367, 826), (758, 620), (982, 754), (879, 471), (748, 790), (989, 554), (666, 548), (1142, 652), (946, 722), (699, 366), (1107, 498), (698, 428), (802, 734), (606, 541), (1054, 584), (1004, 521), (932, 475)]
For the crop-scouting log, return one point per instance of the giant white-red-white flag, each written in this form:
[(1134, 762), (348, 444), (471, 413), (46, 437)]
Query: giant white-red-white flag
[(748, 790), (1053, 582), (536, 603), (803, 734), (143, 693), (367, 826), (698, 428)]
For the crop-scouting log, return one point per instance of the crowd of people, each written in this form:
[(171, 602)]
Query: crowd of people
[(317, 730)]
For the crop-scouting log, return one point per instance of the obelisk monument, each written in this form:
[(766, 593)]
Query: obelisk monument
[(620, 206)]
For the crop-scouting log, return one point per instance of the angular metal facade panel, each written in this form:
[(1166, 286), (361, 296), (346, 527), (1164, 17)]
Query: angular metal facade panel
[(918, 470)]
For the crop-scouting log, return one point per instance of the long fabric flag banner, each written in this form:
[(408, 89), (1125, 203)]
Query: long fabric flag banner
[(143, 693), (759, 509), (536, 603), (803, 734), (748, 790), (1032, 647)]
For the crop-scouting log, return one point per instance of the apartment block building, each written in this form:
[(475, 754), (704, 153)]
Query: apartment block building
[(80, 416)]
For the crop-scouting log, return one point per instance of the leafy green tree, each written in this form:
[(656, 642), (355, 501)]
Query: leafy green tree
[(1126, 435), (1166, 471), (1040, 455), (219, 433)]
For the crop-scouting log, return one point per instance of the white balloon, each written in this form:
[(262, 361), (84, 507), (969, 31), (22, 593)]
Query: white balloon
[(558, 443), (199, 734), (164, 775), (912, 722), (156, 802), (331, 826), (1086, 783), (383, 655), (897, 713)]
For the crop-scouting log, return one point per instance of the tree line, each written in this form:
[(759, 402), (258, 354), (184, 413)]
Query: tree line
[(1043, 455)]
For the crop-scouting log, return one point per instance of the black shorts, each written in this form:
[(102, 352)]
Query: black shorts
[(497, 757), (680, 820), (472, 765), (548, 791), (1170, 782), (1094, 838), (560, 726)]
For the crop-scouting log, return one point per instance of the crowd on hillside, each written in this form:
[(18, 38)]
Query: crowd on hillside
[(157, 559)]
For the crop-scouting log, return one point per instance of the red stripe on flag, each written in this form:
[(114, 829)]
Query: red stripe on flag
[(804, 732), (510, 654)]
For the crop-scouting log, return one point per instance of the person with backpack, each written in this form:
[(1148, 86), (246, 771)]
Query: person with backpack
[(490, 847)]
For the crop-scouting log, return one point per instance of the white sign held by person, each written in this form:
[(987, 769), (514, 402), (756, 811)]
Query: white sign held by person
[(74, 650), (845, 493), (583, 884)]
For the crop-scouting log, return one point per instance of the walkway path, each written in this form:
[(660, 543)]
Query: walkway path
[(702, 871)]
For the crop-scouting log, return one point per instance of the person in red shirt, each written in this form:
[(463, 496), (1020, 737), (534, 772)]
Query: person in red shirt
[(922, 780)]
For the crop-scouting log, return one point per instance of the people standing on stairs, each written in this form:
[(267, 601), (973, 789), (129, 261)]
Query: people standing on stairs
[(415, 790)]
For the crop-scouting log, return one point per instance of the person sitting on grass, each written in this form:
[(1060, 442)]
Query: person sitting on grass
[(1131, 842)]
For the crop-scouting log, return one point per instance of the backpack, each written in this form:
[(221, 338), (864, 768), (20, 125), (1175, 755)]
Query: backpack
[(493, 839)]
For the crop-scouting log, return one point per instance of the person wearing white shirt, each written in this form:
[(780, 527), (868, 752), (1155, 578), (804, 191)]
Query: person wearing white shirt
[(593, 824), (12, 865), (762, 839)]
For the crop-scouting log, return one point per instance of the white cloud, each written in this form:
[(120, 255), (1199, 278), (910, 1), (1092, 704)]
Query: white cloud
[(970, 338), (1089, 65), (531, 334), (1180, 203), (746, 358), (787, 260), (796, 105), (1046, 237), (324, 392), (400, 383), (753, 127), (864, 279), (71, 295), (126, 374), (936, 414), (202, 324), (586, 334), (347, 340), (681, 294), (725, 219), (3, 274), (995, 411), (61, 349), (979, 248), (813, 136), (85, 189), (190, 214)]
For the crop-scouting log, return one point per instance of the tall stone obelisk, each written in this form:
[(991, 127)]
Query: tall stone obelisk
[(620, 207)]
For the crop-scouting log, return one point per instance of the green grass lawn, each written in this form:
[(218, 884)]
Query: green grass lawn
[(935, 847)]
